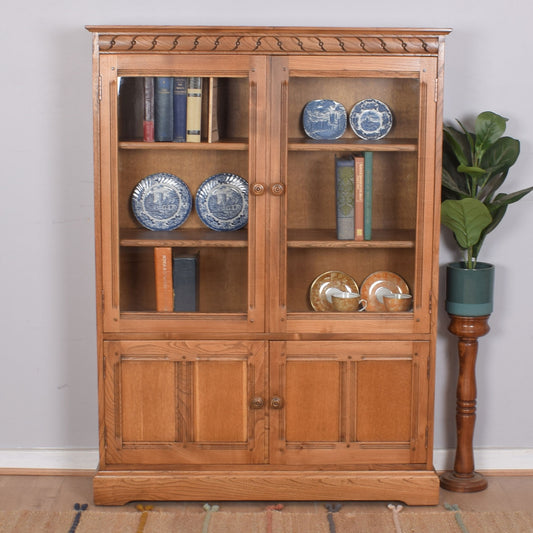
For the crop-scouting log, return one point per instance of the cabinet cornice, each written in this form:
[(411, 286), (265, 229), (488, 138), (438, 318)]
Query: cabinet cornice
[(243, 40)]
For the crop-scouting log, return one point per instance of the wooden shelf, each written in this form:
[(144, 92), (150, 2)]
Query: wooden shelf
[(185, 238), (327, 238), (354, 145), (233, 144)]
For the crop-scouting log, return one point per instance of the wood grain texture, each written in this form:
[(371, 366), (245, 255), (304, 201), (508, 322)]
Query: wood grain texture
[(413, 488), (256, 396)]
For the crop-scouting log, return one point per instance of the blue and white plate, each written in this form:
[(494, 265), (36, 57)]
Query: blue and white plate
[(161, 201), (222, 202), (324, 119), (371, 119)]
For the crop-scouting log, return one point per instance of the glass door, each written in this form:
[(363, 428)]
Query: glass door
[(358, 175), (182, 248)]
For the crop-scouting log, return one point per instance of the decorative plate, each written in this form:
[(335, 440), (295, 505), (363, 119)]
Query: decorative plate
[(161, 201), (222, 202), (324, 119), (371, 119), (327, 284), (379, 283)]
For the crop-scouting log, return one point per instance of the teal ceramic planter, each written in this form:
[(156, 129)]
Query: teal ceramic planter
[(469, 292)]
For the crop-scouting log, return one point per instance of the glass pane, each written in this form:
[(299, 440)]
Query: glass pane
[(178, 254), (352, 201)]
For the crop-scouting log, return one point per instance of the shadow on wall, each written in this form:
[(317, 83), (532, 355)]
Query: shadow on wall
[(73, 221)]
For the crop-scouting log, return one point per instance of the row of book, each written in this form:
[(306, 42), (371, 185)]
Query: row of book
[(168, 109), (176, 280), (353, 186)]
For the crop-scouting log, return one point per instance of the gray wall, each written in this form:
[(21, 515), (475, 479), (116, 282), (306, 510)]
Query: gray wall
[(48, 378)]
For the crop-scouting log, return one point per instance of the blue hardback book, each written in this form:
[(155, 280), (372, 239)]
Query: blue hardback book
[(345, 197), (185, 280), (180, 109), (163, 116)]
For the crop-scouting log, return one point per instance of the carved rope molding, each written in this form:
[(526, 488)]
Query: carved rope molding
[(282, 44)]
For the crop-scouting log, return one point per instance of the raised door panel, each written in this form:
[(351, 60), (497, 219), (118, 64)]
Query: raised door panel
[(349, 403), (183, 402)]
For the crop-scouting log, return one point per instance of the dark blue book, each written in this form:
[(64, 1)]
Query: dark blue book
[(185, 280), (163, 116), (180, 109)]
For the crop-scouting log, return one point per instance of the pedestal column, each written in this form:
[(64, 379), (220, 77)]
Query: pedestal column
[(463, 478)]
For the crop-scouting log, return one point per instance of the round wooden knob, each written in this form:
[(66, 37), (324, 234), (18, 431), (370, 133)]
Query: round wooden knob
[(276, 402), (257, 403), (277, 189), (258, 189)]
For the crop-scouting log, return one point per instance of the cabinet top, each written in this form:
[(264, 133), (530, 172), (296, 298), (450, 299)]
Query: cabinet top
[(268, 40)]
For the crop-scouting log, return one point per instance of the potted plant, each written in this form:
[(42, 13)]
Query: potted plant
[(475, 166)]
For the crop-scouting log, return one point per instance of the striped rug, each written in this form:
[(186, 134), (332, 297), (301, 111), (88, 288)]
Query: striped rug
[(273, 519)]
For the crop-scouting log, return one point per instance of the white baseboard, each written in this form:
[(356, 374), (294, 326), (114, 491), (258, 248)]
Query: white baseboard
[(87, 459), (489, 459), (49, 459)]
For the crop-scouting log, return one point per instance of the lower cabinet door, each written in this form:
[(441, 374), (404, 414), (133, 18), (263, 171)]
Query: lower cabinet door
[(349, 403), (184, 402)]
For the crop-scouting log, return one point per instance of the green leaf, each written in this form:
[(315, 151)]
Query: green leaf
[(451, 185), (467, 218), (501, 155), (456, 142), (511, 198), (490, 186), (489, 127), (474, 172)]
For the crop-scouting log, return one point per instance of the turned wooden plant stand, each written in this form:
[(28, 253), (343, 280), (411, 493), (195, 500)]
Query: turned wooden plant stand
[(463, 478)]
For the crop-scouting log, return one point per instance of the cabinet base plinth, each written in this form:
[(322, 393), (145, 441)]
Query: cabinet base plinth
[(120, 487), (463, 483)]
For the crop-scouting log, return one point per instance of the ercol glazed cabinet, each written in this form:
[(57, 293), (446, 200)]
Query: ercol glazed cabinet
[(253, 394)]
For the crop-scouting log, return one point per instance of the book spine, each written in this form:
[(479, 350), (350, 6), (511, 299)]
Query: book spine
[(185, 276), (164, 290), (345, 198), (148, 122), (194, 109), (130, 109), (359, 218), (369, 162), (212, 111), (180, 109), (163, 109)]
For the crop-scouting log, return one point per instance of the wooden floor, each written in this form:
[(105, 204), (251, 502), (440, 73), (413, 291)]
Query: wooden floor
[(61, 492)]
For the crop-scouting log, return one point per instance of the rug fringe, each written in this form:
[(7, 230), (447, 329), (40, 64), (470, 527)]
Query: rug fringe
[(396, 509), (209, 509), (458, 517), (144, 509), (76, 522), (269, 509), (332, 508)]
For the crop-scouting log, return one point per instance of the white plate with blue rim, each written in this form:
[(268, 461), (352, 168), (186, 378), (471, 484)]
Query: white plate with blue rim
[(371, 119), (222, 202), (161, 202), (324, 120)]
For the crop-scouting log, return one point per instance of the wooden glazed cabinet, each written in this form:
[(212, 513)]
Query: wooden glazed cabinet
[(255, 396)]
